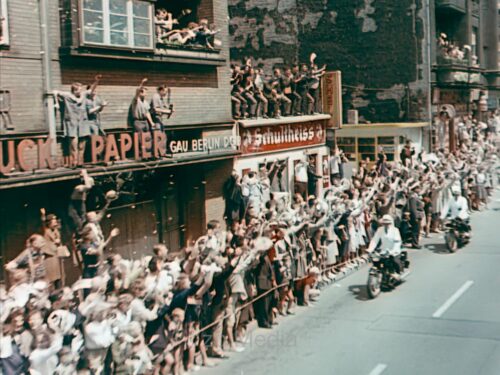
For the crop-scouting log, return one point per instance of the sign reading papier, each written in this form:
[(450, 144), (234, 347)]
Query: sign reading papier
[(282, 137), (31, 154)]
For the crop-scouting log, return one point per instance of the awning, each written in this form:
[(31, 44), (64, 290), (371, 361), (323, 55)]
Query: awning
[(385, 125)]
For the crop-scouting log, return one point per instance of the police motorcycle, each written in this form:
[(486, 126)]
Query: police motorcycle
[(389, 266), (381, 276), (457, 234)]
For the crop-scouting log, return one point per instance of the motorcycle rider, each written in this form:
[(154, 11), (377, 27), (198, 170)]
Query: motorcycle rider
[(390, 242), (457, 208)]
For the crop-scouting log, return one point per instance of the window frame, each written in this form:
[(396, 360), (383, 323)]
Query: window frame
[(5, 41), (107, 31)]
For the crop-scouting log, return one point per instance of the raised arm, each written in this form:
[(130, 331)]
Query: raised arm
[(94, 85)]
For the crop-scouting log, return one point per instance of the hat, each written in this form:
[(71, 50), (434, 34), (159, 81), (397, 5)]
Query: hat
[(262, 244), (456, 190), (387, 219), (314, 271)]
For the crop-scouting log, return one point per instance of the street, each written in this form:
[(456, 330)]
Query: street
[(443, 320)]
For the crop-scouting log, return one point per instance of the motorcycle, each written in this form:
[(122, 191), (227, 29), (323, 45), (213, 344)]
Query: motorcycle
[(379, 276), (457, 234)]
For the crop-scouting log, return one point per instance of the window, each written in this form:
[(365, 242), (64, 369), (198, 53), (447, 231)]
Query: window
[(388, 144), (4, 24), (348, 146), (474, 41), (366, 148), (117, 23)]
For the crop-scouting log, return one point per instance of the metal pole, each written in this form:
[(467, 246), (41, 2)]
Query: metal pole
[(48, 97), (429, 73)]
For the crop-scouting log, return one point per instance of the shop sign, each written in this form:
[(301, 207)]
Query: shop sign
[(206, 144), (332, 98), (31, 154), (281, 137)]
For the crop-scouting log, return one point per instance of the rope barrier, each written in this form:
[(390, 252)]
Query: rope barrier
[(251, 302)]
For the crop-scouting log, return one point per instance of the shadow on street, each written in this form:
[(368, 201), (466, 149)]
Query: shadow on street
[(360, 292), (437, 248)]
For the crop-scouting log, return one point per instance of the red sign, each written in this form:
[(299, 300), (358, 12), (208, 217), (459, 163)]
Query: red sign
[(332, 98), (33, 154), (281, 137)]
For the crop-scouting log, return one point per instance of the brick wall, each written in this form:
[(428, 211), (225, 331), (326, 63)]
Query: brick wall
[(378, 46), (200, 94)]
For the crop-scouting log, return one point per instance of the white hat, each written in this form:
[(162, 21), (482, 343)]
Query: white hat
[(387, 219), (456, 190)]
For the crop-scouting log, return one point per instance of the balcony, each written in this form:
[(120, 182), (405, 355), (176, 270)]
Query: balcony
[(453, 5), (457, 72), (162, 53)]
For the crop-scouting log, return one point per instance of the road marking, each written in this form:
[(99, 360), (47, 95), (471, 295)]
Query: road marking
[(439, 312), (380, 368)]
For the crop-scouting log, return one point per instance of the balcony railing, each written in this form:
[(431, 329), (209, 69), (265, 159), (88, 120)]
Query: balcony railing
[(456, 5), (458, 72)]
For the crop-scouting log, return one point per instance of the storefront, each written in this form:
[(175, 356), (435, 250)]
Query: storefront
[(286, 141), (161, 200), (362, 142)]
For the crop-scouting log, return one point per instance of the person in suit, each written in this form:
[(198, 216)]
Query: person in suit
[(265, 281), (417, 213)]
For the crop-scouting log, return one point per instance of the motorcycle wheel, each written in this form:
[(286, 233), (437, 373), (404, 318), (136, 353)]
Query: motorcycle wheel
[(451, 241), (374, 285)]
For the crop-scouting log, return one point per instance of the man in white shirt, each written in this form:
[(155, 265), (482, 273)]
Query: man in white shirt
[(301, 178), (390, 242), (457, 206)]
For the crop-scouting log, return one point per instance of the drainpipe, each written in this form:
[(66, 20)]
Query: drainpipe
[(429, 73), (48, 97)]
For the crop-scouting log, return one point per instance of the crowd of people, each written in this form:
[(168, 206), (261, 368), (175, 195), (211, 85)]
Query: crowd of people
[(172, 312), (291, 91), (195, 34), (451, 51)]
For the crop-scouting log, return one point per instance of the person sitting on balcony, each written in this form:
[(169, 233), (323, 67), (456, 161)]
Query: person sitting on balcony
[(248, 93), (237, 99), (290, 90), (161, 109), (164, 23), (183, 36), (272, 97), (285, 102), (204, 34)]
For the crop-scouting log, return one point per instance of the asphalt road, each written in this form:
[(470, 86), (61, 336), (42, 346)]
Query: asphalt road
[(445, 319)]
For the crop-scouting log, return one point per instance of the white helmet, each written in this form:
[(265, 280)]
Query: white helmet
[(456, 190)]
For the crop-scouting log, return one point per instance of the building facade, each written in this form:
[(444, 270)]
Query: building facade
[(390, 54), (48, 45), (465, 65)]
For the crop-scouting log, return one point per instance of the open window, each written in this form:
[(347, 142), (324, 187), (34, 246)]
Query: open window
[(117, 23), (185, 24), (4, 24)]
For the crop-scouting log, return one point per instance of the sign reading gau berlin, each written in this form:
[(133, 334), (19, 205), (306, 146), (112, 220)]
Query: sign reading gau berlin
[(282, 137)]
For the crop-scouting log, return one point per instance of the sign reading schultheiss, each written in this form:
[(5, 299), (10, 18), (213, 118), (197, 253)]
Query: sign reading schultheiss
[(281, 137)]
